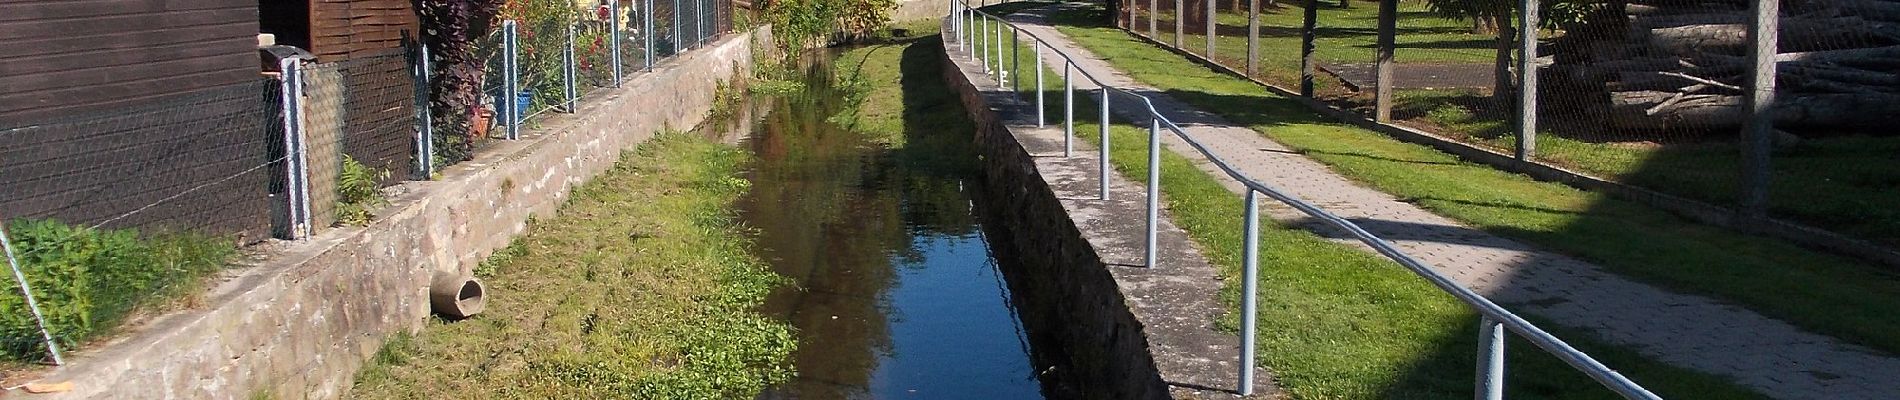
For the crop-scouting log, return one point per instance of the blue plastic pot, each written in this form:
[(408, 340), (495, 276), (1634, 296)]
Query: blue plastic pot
[(524, 102)]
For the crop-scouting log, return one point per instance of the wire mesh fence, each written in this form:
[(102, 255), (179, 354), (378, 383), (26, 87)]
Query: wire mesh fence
[(105, 211), (1654, 94), (112, 211)]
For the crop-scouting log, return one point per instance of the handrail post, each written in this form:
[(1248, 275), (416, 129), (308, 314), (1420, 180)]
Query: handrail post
[(983, 43), (1104, 161), (998, 55), (1015, 57), (1154, 188), (1250, 276), (1068, 109), (1490, 360), (1040, 121)]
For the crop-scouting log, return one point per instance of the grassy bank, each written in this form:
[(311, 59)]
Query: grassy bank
[(1338, 322), (1771, 277), (641, 287)]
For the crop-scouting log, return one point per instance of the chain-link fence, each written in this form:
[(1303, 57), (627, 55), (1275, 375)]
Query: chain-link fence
[(1654, 94), (116, 210), (107, 210)]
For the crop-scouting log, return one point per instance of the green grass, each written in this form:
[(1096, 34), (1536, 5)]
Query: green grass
[(1768, 276), (1841, 182), (1341, 323), (641, 287), (88, 281)]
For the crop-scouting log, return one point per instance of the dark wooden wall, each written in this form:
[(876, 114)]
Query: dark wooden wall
[(145, 113), (66, 56), (343, 29)]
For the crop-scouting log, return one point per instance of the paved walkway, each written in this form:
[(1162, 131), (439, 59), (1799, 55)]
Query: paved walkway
[(1694, 332)]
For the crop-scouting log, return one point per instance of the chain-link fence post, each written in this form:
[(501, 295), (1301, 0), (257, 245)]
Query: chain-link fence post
[(511, 85), (1527, 80), (26, 291), (646, 30), (613, 43), (1180, 22), (1211, 24), (568, 69), (425, 121), (296, 152), (1758, 132), (1154, 23)]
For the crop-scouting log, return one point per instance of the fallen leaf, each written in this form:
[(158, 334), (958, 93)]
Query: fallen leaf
[(37, 387)]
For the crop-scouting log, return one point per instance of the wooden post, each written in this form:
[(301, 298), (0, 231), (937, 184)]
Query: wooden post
[(1210, 29), (1527, 80), (1388, 30), (1307, 31), (1758, 132), (1253, 37)]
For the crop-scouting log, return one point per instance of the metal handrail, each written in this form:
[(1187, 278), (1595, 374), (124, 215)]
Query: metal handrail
[(1495, 318)]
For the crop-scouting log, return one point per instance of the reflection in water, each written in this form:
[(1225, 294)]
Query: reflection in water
[(895, 291)]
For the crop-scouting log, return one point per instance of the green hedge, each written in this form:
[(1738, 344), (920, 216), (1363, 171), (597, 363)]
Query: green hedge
[(88, 280)]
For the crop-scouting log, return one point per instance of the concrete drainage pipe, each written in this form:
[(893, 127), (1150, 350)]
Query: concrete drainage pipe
[(456, 296)]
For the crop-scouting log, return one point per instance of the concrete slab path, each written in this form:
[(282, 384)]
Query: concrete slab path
[(1698, 333)]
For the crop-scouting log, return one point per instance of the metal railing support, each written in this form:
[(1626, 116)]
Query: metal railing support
[(26, 291), (1104, 161), (1040, 109), (1154, 190), (1249, 288), (1068, 110), (997, 48), (1015, 58), (1490, 360)]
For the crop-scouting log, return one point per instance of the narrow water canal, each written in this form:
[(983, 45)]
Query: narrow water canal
[(895, 292)]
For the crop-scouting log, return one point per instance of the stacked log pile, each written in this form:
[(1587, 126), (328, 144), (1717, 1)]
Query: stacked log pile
[(1682, 64)]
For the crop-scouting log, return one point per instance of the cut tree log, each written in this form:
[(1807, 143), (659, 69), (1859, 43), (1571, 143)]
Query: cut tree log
[(1799, 35), (1646, 110)]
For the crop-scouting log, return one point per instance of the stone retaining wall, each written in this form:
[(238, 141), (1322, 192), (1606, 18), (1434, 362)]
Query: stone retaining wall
[(302, 320)]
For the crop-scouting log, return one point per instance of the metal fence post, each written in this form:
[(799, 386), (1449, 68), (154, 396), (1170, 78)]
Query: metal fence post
[(568, 70), (1249, 288), (1154, 188), (1154, 24), (1040, 121), (1490, 360), (1758, 132), (1382, 86), (1104, 161), (646, 30), (676, 27), (26, 291), (296, 160), (512, 85), (1253, 37), (613, 43), (1068, 109), (1527, 80), (425, 120), (1180, 22), (1307, 32), (1210, 30), (1015, 57)]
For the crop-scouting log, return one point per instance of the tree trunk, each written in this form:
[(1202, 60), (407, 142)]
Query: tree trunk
[(1501, 88)]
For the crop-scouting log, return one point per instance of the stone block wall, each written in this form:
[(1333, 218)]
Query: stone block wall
[(301, 320)]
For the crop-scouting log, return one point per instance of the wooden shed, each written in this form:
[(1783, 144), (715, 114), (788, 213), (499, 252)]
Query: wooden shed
[(361, 45), (134, 113)]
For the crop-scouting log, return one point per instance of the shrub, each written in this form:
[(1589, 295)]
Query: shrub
[(356, 193), (87, 281)]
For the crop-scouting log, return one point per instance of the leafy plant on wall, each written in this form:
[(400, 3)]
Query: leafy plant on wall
[(800, 23), (452, 30)]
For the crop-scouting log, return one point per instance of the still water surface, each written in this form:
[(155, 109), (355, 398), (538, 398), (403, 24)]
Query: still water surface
[(895, 291)]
